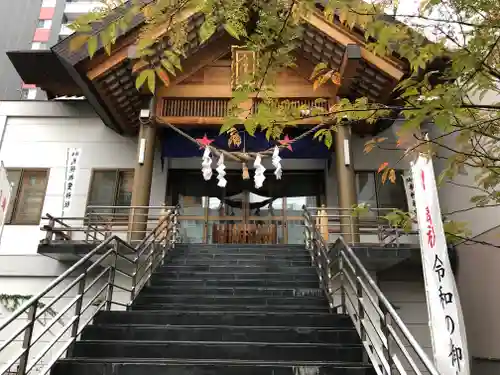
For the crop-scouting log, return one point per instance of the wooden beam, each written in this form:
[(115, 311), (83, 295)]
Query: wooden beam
[(208, 54), (349, 69), (121, 50), (388, 65), (217, 121), (193, 120)]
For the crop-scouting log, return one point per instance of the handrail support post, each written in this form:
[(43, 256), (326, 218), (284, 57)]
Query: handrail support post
[(78, 312), (28, 334), (111, 278)]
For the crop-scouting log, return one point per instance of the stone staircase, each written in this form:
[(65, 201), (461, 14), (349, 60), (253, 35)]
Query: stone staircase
[(223, 309)]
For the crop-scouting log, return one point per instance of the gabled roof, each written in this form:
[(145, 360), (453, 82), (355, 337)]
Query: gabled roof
[(108, 81)]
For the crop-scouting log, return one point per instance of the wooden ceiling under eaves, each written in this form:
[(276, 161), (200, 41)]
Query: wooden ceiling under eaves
[(114, 82)]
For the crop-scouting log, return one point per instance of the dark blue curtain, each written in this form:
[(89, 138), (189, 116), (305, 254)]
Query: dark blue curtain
[(175, 145)]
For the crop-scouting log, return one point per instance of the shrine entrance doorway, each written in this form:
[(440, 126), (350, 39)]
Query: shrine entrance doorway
[(241, 214)]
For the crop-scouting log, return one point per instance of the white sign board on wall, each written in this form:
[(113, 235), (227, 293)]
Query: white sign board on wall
[(446, 321), (73, 157)]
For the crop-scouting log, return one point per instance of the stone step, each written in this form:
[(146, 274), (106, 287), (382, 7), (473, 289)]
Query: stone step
[(227, 275), (252, 269), (207, 367), (242, 318), (249, 290), (210, 282), (218, 350), (229, 307), (245, 300), (221, 333)]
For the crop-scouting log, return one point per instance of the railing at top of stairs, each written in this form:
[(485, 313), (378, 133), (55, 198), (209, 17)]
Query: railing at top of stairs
[(350, 289), (96, 290)]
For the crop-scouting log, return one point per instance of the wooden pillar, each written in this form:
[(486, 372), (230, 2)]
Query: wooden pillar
[(143, 177), (346, 184)]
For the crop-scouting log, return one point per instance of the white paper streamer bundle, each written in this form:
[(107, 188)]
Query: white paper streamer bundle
[(206, 164), (276, 162), (259, 172), (221, 172)]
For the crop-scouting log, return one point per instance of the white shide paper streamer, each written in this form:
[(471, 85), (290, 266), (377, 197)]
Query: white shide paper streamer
[(206, 164), (259, 172), (277, 163), (221, 172)]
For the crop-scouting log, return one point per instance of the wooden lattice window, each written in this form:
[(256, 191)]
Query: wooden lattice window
[(243, 66)]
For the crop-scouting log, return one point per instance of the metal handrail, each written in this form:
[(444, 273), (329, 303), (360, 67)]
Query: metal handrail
[(379, 326), (147, 255), (361, 226), (100, 222)]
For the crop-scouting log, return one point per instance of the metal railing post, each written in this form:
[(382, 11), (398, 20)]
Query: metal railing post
[(78, 311), (342, 283), (28, 334), (111, 278), (351, 228), (361, 309), (151, 262), (49, 234), (384, 322)]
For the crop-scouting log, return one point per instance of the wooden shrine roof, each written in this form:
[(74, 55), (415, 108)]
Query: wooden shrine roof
[(109, 84)]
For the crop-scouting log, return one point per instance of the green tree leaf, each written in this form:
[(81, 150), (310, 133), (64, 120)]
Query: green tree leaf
[(151, 80), (174, 59), (168, 66), (251, 126), (78, 41), (92, 45), (231, 30), (228, 123), (207, 29), (141, 78)]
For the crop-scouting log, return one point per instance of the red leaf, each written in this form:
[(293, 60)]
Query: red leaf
[(382, 167)]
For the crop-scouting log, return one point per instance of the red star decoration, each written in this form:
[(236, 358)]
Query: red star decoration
[(4, 203), (286, 142), (204, 141)]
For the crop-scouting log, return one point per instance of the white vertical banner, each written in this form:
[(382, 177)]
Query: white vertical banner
[(446, 321), (5, 192), (73, 157)]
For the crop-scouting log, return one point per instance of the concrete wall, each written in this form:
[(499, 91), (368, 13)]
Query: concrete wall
[(478, 280)]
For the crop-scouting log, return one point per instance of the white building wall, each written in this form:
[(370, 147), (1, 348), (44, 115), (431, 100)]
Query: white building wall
[(42, 142)]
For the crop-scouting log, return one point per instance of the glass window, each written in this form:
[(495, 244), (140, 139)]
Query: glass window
[(365, 188), (28, 194), (391, 195), (111, 188), (373, 192)]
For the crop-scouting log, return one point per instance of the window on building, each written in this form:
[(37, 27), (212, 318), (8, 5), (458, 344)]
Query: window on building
[(372, 191), (44, 24), (109, 189), (24, 94), (38, 45), (28, 194)]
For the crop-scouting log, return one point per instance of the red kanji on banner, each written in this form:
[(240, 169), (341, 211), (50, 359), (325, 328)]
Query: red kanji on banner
[(431, 235)]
